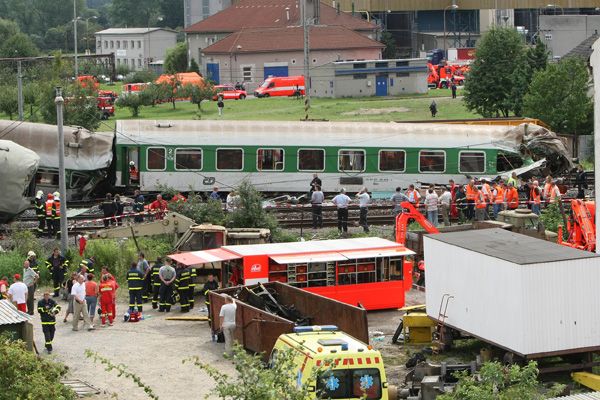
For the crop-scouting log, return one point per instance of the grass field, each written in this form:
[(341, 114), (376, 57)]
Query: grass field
[(405, 108)]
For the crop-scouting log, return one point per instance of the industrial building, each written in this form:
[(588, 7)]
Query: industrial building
[(370, 78), (562, 33)]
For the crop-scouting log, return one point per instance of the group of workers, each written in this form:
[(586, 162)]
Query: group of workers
[(47, 212)]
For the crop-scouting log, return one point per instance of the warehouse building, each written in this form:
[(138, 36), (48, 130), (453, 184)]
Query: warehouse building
[(370, 78)]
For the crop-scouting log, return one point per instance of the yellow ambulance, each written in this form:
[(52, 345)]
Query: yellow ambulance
[(349, 368)]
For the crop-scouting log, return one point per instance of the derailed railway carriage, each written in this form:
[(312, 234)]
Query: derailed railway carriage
[(282, 156)]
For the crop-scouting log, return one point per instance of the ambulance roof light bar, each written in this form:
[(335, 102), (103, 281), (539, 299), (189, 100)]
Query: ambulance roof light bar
[(315, 328)]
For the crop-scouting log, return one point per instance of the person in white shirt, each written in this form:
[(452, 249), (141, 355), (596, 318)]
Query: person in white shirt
[(445, 200), (341, 201), (363, 202), (79, 304), (413, 195), (17, 293), (431, 205), (316, 200), (227, 316), (231, 201)]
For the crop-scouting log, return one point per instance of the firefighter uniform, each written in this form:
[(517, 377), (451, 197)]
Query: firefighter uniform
[(88, 263), (40, 212), (49, 209), (135, 282), (155, 283), (182, 283), (57, 265), (33, 263), (48, 310), (167, 272), (192, 286), (56, 218), (107, 294)]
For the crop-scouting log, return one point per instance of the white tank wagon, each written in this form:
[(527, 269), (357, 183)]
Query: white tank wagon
[(282, 156), (18, 165), (88, 155), (531, 297)]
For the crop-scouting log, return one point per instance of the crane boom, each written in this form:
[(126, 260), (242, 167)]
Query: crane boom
[(410, 212)]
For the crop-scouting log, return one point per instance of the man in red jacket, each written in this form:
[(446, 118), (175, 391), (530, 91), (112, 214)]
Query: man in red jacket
[(159, 207)]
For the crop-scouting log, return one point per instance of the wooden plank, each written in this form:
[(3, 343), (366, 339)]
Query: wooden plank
[(187, 318)]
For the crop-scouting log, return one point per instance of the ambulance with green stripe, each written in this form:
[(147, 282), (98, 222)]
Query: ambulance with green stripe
[(349, 368)]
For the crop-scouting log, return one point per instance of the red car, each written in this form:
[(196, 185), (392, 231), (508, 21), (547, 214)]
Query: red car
[(229, 92)]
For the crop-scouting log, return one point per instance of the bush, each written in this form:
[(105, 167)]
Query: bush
[(552, 218), (210, 211), (250, 212), (11, 263), (134, 101), (140, 77), (25, 376)]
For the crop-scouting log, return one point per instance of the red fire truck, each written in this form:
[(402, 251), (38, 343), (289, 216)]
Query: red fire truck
[(372, 272)]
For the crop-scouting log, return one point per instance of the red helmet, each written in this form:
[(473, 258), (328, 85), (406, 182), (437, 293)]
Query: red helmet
[(50, 196)]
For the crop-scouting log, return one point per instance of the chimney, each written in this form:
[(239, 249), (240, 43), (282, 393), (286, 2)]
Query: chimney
[(287, 13)]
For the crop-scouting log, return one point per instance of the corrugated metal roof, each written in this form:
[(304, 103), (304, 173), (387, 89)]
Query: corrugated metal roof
[(10, 315), (580, 396), (512, 247)]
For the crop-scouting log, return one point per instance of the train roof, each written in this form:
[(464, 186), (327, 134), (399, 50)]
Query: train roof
[(84, 150), (18, 165), (306, 134)]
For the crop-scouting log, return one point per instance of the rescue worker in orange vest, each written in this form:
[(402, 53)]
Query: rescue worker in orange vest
[(50, 214), (413, 195), (134, 174), (536, 198), (107, 293), (547, 188), (498, 198), (40, 212), (471, 193), (56, 219), (159, 207), (487, 192), (512, 197), (480, 205), (554, 194)]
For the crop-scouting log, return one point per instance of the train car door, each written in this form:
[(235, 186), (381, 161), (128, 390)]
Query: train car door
[(130, 153)]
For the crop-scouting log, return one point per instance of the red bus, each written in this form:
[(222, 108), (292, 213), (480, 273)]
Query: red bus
[(372, 272)]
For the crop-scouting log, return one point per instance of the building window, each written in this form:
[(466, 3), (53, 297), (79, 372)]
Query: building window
[(432, 161), (269, 160), (112, 44), (247, 74), (359, 65), (99, 45), (139, 44), (381, 65), (205, 9), (401, 63), (402, 74), (106, 44), (139, 62), (230, 159), (133, 44), (392, 160), (118, 44), (471, 161), (188, 159), (156, 160), (359, 76), (124, 44), (351, 160), (311, 160)]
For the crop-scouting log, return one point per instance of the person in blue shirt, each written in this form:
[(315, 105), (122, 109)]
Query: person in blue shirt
[(214, 195)]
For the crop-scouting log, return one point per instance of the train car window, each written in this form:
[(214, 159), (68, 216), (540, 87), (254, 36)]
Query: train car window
[(351, 160), (156, 158), (230, 159), (269, 159), (311, 160), (392, 160), (507, 162), (188, 159), (471, 161), (78, 180), (46, 177), (432, 161)]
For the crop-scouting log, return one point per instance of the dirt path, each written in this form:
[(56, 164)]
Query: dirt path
[(153, 349)]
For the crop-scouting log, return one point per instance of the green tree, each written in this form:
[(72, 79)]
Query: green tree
[(134, 101), (391, 48), (499, 382), (134, 12), (8, 28), (558, 96), (30, 98), (537, 56), (176, 59), (249, 212), (157, 93), (25, 376), (210, 211), (80, 108), (198, 94), (194, 67), (18, 45), (8, 100), (488, 89)]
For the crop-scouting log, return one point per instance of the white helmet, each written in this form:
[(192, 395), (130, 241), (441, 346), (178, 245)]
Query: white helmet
[(31, 253), (56, 196), (39, 194), (131, 163)]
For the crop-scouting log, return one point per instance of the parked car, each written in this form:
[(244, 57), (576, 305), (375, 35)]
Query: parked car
[(281, 86), (229, 92)]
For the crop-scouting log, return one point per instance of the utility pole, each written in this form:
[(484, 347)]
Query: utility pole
[(306, 28), (595, 62), (20, 89), (62, 184), (75, 37)]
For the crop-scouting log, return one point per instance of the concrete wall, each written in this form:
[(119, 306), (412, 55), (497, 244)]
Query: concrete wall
[(146, 47), (231, 66), (198, 10), (561, 33), (198, 42), (336, 80)]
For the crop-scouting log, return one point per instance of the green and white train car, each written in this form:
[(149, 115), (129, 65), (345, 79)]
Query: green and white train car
[(282, 156)]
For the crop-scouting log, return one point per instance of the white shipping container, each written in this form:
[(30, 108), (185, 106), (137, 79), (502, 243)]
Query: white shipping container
[(527, 295)]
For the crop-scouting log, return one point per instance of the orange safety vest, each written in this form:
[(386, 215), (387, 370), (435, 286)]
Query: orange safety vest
[(57, 209), (554, 194), (547, 188), (480, 200), (499, 199), (415, 196), (49, 206), (487, 191), (512, 198), (535, 196), (471, 192)]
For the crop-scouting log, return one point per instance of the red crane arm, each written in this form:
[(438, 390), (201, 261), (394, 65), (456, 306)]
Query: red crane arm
[(410, 212)]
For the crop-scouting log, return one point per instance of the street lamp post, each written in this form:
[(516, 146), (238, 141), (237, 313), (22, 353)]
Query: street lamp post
[(87, 33), (452, 6), (75, 18)]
